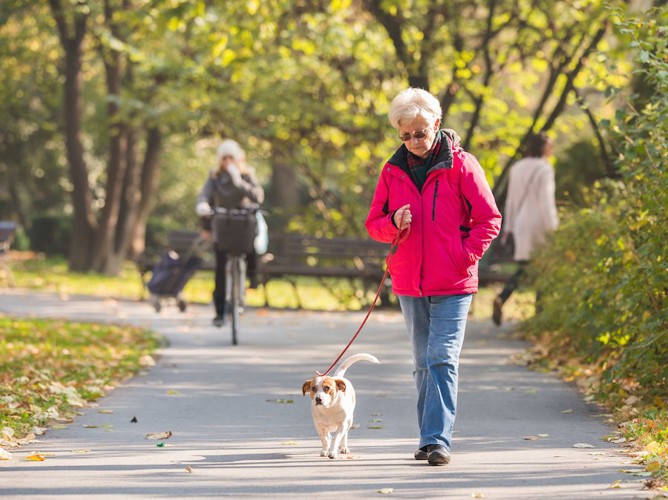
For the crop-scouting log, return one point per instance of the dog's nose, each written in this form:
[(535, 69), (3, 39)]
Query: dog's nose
[(318, 400)]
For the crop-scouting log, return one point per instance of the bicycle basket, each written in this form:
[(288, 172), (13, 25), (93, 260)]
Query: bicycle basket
[(234, 232)]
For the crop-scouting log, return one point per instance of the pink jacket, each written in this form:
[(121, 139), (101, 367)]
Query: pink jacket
[(455, 218)]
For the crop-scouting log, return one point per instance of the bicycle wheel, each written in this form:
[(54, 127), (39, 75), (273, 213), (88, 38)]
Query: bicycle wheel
[(235, 301)]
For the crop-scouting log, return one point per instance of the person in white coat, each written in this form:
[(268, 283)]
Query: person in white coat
[(530, 210)]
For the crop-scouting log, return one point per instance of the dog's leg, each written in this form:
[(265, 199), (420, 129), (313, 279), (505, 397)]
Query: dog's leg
[(340, 441), (325, 439)]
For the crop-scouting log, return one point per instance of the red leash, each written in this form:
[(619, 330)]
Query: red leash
[(401, 236)]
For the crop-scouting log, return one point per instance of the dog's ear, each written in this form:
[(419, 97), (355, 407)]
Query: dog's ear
[(341, 384), (306, 387)]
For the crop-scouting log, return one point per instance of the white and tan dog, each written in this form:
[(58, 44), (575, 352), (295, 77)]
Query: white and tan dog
[(333, 405)]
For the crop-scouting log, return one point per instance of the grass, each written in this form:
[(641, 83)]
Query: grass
[(49, 368)]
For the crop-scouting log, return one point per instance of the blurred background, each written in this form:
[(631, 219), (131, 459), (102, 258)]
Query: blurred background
[(111, 110)]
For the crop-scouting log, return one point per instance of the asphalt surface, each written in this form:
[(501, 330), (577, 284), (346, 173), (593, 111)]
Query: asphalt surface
[(242, 429)]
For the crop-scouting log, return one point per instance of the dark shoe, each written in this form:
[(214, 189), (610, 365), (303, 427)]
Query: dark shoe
[(219, 320), (438, 455), (496, 313), (422, 453), (254, 283)]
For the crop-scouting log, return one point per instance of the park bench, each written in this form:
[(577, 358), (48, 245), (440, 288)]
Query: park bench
[(7, 231), (293, 255)]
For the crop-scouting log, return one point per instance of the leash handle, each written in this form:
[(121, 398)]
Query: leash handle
[(399, 238)]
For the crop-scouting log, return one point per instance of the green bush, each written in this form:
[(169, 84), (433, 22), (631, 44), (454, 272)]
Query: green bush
[(604, 279)]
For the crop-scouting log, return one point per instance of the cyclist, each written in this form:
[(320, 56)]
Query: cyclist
[(232, 184)]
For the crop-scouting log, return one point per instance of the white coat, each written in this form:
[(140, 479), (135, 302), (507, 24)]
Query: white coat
[(530, 210)]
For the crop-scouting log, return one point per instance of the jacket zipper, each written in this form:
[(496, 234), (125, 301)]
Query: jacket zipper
[(433, 203)]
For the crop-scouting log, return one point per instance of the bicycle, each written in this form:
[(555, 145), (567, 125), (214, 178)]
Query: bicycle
[(234, 232)]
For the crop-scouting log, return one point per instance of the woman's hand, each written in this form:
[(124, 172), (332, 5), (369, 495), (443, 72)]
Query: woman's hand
[(403, 217)]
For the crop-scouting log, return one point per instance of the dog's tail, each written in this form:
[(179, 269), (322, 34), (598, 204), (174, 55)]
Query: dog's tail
[(346, 363)]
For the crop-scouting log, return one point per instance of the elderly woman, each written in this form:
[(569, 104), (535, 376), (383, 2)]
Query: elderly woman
[(436, 194), (231, 185)]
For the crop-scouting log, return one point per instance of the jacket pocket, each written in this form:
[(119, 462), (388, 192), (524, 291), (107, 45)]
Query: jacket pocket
[(433, 203)]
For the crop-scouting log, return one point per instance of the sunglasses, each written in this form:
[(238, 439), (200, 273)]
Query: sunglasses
[(415, 135)]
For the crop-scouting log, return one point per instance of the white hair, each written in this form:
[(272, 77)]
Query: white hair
[(230, 148), (411, 103)]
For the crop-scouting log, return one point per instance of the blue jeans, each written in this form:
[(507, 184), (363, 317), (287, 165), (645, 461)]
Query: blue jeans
[(436, 328)]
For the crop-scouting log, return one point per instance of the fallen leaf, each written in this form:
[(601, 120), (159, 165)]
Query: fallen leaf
[(616, 484), (105, 411), (160, 444), (653, 466), (566, 411), (582, 445), (530, 438), (59, 426), (289, 443), (281, 401), (386, 491), (159, 435), (478, 495), (376, 427), (88, 426), (36, 458), (81, 451), (189, 469), (543, 435), (172, 392)]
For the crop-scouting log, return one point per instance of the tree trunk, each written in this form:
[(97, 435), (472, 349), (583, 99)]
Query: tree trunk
[(147, 182), (83, 229), (285, 187)]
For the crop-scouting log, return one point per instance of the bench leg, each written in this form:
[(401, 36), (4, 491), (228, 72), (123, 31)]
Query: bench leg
[(7, 271)]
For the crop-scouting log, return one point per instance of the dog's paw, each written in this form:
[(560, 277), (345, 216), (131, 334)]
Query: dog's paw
[(344, 451), (324, 453), (332, 455)]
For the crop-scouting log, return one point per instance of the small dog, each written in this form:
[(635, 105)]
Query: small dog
[(333, 405)]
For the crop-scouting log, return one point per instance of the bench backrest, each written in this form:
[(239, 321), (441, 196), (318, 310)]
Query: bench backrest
[(323, 251)]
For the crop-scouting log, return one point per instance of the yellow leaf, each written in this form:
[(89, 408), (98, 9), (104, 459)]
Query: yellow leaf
[(653, 466), (616, 484), (189, 469), (386, 491), (478, 494), (35, 458)]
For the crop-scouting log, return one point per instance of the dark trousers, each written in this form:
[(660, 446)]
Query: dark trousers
[(514, 281), (221, 277)]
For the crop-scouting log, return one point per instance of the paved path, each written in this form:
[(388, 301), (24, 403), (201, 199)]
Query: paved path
[(242, 429)]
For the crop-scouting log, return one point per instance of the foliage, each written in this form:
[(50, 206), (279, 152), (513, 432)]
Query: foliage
[(604, 279), (49, 368), (304, 86)]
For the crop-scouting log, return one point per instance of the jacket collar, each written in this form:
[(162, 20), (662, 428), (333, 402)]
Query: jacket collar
[(442, 160)]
